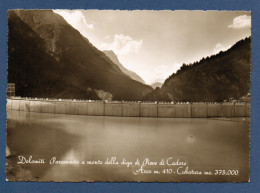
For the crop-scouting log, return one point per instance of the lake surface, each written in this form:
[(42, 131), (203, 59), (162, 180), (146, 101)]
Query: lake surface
[(204, 145)]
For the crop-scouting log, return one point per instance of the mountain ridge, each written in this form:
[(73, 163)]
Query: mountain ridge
[(75, 67), (212, 79)]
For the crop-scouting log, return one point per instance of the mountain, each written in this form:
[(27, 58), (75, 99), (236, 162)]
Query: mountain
[(49, 58), (156, 84), (212, 79), (113, 57)]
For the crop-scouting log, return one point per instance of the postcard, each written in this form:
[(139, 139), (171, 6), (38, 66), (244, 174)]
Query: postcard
[(128, 96)]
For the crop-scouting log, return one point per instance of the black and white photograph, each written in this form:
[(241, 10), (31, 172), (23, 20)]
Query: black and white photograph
[(128, 96)]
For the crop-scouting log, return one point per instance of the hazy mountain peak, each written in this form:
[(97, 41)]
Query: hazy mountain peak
[(114, 58), (157, 84)]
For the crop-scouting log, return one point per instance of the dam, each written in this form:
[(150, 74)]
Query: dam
[(206, 136), (129, 109)]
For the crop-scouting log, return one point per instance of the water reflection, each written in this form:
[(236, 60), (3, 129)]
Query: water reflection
[(206, 144)]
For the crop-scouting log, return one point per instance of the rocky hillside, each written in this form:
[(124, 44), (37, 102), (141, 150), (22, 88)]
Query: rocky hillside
[(49, 58)]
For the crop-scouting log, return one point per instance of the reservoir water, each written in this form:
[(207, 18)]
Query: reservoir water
[(204, 145)]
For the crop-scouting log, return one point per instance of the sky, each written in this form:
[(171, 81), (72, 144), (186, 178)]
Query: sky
[(155, 44)]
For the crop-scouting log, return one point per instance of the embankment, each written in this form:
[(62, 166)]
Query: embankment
[(131, 109)]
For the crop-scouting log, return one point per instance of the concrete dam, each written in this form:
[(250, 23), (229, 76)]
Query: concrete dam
[(131, 109)]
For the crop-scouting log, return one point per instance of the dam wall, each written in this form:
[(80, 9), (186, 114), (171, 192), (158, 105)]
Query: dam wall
[(131, 109)]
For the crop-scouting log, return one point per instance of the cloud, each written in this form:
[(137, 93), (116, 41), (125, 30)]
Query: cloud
[(162, 69), (77, 20), (107, 37), (162, 72), (123, 45), (220, 47), (242, 21)]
